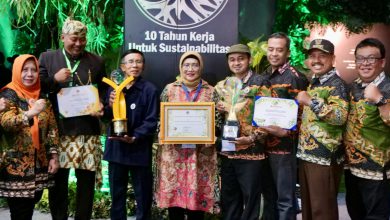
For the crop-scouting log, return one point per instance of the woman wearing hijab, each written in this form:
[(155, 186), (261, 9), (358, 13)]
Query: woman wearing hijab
[(29, 142), (186, 177)]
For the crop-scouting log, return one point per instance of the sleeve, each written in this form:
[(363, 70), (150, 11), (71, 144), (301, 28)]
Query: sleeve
[(149, 123), (13, 119), (333, 109), (102, 87), (52, 137), (106, 102), (48, 84)]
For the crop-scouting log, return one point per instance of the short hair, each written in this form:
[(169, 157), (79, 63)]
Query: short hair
[(281, 35), (372, 42), (74, 27), (127, 52)]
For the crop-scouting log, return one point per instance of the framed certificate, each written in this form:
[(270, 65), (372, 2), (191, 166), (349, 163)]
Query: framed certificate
[(78, 101), (275, 111), (187, 123)]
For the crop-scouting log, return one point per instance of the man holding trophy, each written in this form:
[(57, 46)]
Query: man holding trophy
[(242, 153), (135, 102)]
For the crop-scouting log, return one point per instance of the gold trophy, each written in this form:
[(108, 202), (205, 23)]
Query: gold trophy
[(119, 122)]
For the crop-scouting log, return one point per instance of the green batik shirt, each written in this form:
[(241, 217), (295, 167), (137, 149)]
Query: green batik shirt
[(320, 137), (367, 135)]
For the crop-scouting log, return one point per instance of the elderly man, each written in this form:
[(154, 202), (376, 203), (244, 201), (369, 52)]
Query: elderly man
[(367, 137), (320, 148), (80, 146)]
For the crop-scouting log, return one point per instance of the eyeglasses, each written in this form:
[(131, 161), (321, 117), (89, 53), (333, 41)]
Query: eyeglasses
[(131, 62), (187, 66), (370, 60)]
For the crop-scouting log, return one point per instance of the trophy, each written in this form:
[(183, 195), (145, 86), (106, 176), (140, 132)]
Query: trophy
[(232, 101), (118, 83)]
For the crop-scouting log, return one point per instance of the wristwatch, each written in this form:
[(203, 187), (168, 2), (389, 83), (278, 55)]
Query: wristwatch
[(382, 101)]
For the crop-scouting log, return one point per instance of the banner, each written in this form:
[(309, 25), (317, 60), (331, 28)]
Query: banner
[(164, 30)]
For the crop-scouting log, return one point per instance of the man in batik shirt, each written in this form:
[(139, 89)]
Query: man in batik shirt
[(320, 148), (367, 136)]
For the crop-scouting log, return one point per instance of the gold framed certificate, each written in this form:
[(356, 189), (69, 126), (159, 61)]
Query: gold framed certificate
[(187, 123), (78, 101), (275, 111)]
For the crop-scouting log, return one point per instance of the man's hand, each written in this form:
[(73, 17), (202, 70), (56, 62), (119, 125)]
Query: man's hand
[(303, 98), (112, 98), (62, 75), (53, 164), (372, 94), (276, 130), (100, 112), (221, 107), (244, 140), (125, 139)]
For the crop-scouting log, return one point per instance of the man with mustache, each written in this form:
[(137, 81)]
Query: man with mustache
[(320, 147), (80, 146)]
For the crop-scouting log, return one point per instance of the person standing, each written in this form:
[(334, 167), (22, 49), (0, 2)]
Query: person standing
[(367, 135), (132, 153), (241, 167), (80, 146), (320, 148), (286, 82), (187, 173), (29, 140)]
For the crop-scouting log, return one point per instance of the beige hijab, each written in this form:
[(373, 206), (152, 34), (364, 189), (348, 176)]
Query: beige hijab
[(183, 57)]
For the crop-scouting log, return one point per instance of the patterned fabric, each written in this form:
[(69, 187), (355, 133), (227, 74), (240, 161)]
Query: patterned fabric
[(286, 82), (320, 138), (187, 178), (26, 168), (82, 152), (258, 87), (367, 135)]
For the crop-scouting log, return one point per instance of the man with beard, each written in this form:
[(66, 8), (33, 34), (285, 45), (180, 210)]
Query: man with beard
[(320, 148)]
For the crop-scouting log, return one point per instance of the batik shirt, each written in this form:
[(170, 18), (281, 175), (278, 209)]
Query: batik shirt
[(320, 138), (286, 82), (367, 136), (253, 85)]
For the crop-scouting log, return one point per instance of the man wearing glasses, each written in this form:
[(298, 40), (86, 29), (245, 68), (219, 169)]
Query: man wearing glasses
[(132, 153), (367, 135)]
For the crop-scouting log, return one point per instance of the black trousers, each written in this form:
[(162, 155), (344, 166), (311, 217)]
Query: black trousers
[(23, 208), (367, 199), (176, 213), (142, 180), (58, 195), (240, 188)]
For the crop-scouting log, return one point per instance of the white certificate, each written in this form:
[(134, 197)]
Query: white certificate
[(187, 123), (275, 111), (78, 101)]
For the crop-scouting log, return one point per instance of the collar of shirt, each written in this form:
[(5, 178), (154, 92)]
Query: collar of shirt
[(376, 81), (246, 78), (322, 79)]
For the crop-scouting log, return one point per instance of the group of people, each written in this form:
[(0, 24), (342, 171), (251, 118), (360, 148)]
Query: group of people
[(340, 127)]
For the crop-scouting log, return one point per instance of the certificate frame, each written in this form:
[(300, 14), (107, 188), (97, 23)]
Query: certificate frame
[(275, 111), (169, 125), (78, 101)]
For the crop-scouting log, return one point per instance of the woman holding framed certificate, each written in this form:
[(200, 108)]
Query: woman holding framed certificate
[(186, 178)]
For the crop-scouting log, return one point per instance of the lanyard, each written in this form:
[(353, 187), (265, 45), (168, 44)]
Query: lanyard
[(188, 93), (72, 70)]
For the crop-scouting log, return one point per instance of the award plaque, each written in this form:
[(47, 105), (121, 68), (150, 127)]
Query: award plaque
[(119, 123)]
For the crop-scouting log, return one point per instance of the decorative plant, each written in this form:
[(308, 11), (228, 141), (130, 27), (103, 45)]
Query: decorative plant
[(259, 53)]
